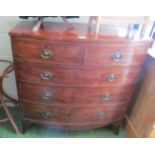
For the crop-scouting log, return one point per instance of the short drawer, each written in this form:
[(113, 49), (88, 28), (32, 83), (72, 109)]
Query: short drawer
[(115, 55), (62, 75), (75, 96), (35, 50), (67, 114)]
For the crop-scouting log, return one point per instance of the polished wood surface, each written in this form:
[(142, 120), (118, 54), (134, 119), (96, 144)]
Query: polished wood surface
[(141, 117), (69, 114), (74, 96), (77, 53), (82, 77), (102, 54), (72, 79), (67, 126), (67, 53)]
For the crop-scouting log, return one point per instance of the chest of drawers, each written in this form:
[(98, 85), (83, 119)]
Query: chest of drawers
[(74, 81)]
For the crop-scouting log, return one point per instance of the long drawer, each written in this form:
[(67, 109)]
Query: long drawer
[(74, 96), (63, 114), (51, 74), (68, 53)]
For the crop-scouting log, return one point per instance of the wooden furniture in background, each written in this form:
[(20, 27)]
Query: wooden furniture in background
[(141, 115), (72, 80), (151, 132), (3, 94)]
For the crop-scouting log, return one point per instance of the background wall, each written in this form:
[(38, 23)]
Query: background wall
[(6, 24)]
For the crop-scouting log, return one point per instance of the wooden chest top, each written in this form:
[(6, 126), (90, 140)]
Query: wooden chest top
[(57, 31)]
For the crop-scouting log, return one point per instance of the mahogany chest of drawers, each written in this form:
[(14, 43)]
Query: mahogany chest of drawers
[(72, 80)]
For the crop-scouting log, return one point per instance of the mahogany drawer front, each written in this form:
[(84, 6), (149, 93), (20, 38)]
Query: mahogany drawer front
[(35, 50), (61, 75), (73, 114), (115, 55), (70, 126), (75, 96)]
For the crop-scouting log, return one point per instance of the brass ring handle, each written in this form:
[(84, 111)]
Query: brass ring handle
[(46, 54), (112, 77), (47, 115), (46, 75), (117, 57), (106, 97), (101, 115), (46, 96)]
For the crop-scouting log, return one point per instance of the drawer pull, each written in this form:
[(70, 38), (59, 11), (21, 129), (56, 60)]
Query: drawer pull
[(46, 75), (47, 115), (46, 96), (101, 115), (46, 54), (112, 77), (117, 56), (106, 97)]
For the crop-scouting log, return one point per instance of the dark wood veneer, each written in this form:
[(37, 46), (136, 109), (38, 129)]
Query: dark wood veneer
[(77, 93), (69, 53), (75, 96), (90, 77), (69, 114), (101, 55)]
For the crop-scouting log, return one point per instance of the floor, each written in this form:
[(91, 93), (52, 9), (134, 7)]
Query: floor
[(36, 131)]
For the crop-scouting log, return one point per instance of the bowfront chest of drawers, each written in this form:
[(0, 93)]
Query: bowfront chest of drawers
[(72, 80)]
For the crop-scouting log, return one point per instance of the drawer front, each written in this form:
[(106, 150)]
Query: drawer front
[(61, 75), (73, 114), (75, 96), (33, 50), (115, 55)]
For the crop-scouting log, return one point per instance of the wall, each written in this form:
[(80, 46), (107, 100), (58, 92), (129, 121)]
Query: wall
[(6, 24)]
